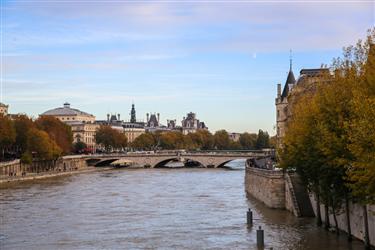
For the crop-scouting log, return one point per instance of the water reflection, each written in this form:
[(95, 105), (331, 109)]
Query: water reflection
[(149, 209)]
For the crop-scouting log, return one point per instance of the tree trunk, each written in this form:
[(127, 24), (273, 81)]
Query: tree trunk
[(334, 217), (366, 236), (318, 213), (349, 229), (327, 224)]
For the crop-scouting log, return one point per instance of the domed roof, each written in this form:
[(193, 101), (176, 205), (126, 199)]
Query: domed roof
[(66, 110)]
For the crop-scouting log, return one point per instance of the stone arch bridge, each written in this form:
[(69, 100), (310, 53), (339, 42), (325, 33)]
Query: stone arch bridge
[(154, 160)]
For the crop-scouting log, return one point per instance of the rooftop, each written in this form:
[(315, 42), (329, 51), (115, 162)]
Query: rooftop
[(65, 110)]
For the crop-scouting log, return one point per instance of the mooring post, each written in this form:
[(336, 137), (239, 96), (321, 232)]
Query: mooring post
[(260, 237), (249, 217)]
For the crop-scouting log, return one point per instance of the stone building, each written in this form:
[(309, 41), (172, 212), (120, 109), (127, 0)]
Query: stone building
[(191, 124), (306, 82), (132, 129), (82, 124), (3, 109), (234, 136)]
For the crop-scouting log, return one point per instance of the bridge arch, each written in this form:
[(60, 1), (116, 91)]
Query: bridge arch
[(223, 164), (105, 162)]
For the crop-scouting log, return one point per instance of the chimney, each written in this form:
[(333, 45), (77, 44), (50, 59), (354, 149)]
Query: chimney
[(118, 117), (158, 117), (147, 117), (278, 90), (107, 117)]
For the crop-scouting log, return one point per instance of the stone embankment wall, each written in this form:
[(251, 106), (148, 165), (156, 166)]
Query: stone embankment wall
[(267, 186), (278, 190), (356, 219), (16, 169)]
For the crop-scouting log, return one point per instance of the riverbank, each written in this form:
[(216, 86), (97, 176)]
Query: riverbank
[(11, 180)]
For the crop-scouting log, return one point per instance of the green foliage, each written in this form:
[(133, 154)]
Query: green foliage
[(248, 141), (263, 140), (26, 158), (221, 140), (110, 138), (79, 146), (145, 141)]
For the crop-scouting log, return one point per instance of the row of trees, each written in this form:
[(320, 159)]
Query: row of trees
[(44, 138), (330, 140), (202, 139)]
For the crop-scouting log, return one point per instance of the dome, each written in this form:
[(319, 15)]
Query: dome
[(65, 110)]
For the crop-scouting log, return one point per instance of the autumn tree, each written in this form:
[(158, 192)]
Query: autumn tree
[(145, 141), (248, 140), (221, 139), (7, 134), (110, 138), (263, 140), (22, 124), (40, 145), (60, 132)]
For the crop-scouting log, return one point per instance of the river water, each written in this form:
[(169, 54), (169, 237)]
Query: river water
[(149, 209)]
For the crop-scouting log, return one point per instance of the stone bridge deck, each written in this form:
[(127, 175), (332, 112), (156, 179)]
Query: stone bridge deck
[(152, 160)]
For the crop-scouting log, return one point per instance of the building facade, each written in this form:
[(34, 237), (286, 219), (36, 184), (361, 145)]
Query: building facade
[(82, 124), (190, 124)]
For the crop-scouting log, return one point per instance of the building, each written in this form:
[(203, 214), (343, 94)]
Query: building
[(132, 129), (191, 124), (82, 124), (68, 114), (234, 136), (284, 101), (3, 109)]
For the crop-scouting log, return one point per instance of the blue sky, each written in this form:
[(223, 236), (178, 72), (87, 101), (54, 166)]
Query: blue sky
[(220, 59)]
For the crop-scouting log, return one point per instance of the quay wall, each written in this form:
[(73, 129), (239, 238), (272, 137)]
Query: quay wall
[(356, 219), (16, 170), (276, 190), (267, 186)]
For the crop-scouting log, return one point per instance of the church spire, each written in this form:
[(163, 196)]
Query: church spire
[(132, 114), (290, 60)]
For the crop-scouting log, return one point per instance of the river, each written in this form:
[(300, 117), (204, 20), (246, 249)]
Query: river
[(149, 209)]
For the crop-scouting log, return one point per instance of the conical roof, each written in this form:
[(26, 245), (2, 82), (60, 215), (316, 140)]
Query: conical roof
[(289, 80)]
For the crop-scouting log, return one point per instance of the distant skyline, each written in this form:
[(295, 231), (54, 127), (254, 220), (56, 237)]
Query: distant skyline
[(219, 59)]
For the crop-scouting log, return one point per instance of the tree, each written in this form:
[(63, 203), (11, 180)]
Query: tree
[(22, 124), (263, 140), (110, 138), (7, 134), (247, 140), (221, 139), (204, 139), (79, 147), (60, 132), (145, 141), (41, 145)]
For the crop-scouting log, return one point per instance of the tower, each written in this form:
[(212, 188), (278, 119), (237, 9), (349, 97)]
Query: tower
[(281, 102), (132, 115)]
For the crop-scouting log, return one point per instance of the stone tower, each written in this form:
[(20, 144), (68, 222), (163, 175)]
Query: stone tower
[(281, 103)]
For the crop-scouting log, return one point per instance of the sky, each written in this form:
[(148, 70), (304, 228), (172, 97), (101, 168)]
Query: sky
[(219, 59)]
